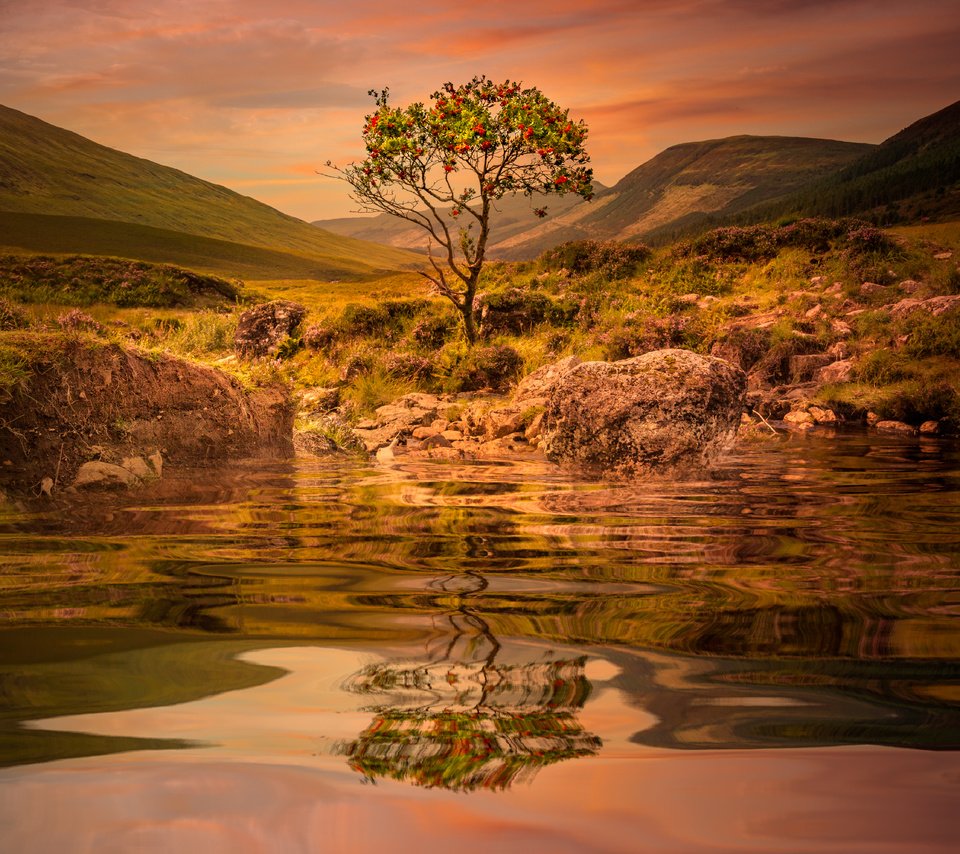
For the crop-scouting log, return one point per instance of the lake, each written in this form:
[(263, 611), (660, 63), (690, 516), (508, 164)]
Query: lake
[(426, 656)]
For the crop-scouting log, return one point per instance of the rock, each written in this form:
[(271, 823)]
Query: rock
[(262, 329), (930, 428), (835, 288), (817, 280), (534, 428), (872, 419), (424, 432), (452, 435), (665, 412), (839, 327), (66, 414), (823, 416), (799, 418), (836, 372), (46, 486), (868, 288), (688, 299), (503, 420), (894, 427), (104, 475), (935, 305), (909, 286), (137, 466), (813, 313), (436, 441), (157, 462), (539, 383), (943, 256), (398, 418), (803, 368)]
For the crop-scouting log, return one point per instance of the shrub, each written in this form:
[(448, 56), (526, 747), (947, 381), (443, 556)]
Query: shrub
[(408, 366), (78, 321), (364, 319), (495, 367), (735, 243), (933, 336), (613, 260), (513, 312), (319, 337), (12, 316), (432, 331)]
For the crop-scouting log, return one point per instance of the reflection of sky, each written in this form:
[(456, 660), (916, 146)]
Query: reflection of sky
[(257, 95), (269, 785)]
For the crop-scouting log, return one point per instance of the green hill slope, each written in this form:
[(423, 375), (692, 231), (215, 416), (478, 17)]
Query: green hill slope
[(912, 174), (687, 184), (512, 215), (50, 171)]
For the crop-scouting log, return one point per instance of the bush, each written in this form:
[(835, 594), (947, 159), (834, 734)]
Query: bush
[(364, 319), (495, 367), (434, 330), (408, 366), (609, 258), (933, 336), (513, 312), (12, 316), (78, 321)]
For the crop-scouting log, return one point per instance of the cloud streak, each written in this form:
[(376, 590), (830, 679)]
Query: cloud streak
[(247, 93)]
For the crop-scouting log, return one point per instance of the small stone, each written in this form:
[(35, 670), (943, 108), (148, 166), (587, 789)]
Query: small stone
[(894, 427), (943, 256), (137, 466), (157, 462), (836, 372), (813, 313), (840, 328), (817, 280), (823, 416), (46, 486), (909, 286), (424, 432), (435, 441), (452, 435), (534, 428), (872, 419), (104, 475), (799, 418), (930, 428), (835, 288), (688, 299)]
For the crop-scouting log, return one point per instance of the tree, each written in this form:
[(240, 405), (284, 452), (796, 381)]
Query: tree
[(443, 166)]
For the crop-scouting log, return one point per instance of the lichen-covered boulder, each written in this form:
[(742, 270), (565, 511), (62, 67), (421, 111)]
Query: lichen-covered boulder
[(667, 412), (262, 329)]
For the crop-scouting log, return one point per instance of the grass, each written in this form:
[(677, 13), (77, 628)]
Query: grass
[(60, 173)]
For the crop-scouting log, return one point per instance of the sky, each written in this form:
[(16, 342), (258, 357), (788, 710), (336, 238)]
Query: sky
[(259, 95)]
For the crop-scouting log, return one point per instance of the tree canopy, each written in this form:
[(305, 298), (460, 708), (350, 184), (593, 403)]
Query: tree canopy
[(443, 165)]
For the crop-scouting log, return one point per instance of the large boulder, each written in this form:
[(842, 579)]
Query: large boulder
[(669, 412), (262, 329)]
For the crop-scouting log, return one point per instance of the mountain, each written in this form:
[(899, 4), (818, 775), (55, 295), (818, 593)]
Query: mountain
[(512, 215), (48, 172), (687, 185), (914, 173)]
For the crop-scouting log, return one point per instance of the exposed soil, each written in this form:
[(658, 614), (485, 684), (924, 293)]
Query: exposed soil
[(83, 399)]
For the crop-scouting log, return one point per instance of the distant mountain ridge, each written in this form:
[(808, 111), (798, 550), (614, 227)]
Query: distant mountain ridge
[(687, 184), (46, 170), (913, 173)]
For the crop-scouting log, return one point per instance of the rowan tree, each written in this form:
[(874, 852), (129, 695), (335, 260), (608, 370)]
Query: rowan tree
[(443, 165)]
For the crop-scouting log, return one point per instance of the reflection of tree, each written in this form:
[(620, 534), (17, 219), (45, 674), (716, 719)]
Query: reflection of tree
[(463, 721)]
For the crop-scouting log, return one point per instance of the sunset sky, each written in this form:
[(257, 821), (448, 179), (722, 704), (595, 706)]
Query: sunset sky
[(257, 95)]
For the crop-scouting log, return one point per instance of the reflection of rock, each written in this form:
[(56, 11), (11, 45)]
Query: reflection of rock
[(466, 726)]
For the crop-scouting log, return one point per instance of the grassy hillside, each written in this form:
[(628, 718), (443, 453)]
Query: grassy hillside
[(913, 174), (687, 184), (512, 215), (50, 171), (29, 233)]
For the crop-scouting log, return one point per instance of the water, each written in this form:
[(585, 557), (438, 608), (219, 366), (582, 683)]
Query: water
[(332, 656)]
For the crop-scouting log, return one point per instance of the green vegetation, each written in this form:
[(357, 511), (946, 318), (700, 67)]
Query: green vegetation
[(477, 143), (84, 280), (50, 171)]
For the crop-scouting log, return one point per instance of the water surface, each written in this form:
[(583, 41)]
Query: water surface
[(497, 656)]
